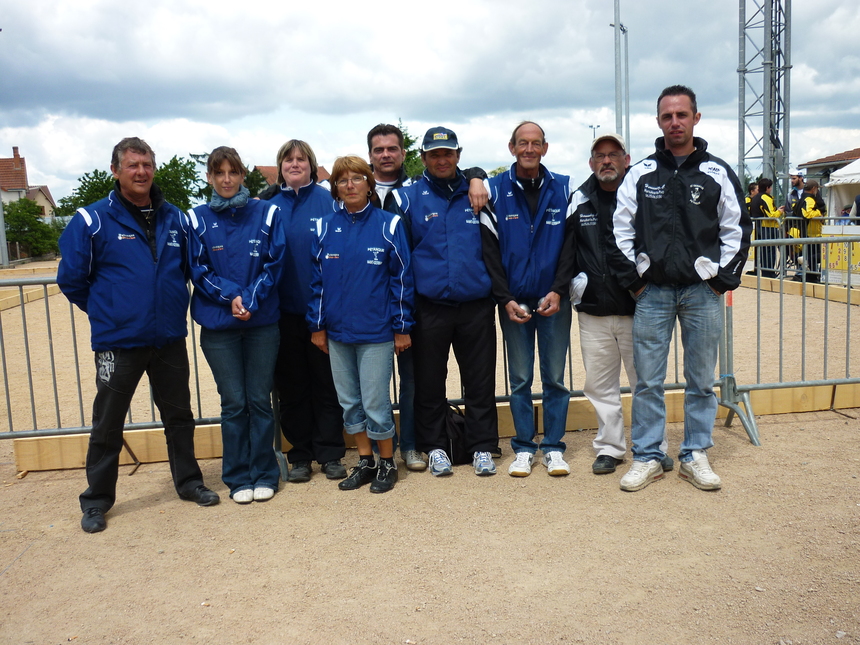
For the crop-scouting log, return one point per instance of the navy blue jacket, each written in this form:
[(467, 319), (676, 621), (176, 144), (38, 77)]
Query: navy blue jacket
[(445, 237), (528, 252), (300, 213), (362, 278), (108, 270), (237, 252)]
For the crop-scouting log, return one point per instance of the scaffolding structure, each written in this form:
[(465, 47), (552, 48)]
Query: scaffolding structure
[(764, 90)]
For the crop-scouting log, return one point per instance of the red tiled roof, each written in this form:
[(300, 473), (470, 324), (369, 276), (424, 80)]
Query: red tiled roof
[(271, 173), (842, 158), (13, 172), (34, 190)]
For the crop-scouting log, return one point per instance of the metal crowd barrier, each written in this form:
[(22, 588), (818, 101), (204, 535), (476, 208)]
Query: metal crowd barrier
[(48, 371)]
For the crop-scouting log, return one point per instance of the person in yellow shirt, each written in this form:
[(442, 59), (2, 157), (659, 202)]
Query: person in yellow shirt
[(767, 221), (810, 211)]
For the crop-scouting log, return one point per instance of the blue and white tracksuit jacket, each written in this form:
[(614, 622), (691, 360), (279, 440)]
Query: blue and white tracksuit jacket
[(362, 277), (237, 252), (108, 270)]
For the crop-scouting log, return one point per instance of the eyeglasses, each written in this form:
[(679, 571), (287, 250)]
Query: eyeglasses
[(615, 155), (341, 183)]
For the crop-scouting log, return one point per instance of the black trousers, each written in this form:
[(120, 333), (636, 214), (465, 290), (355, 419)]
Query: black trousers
[(117, 374), (470, 329), (310, 415)]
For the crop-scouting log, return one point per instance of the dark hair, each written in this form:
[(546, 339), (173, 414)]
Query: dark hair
[(305, 149), (134, 144), (521, 124), (764, 183), (384, 129), (352, 163), (221, 154), (678, 90)]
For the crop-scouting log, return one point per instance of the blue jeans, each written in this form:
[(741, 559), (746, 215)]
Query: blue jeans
[(553, 339), (697, 308), (362, 378), (243, 364)]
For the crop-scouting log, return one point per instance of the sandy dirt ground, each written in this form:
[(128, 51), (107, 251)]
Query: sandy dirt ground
[(772, 558)]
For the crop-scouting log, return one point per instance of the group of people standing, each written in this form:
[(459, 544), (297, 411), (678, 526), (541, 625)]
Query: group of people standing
[(801, 216), (313, 292)]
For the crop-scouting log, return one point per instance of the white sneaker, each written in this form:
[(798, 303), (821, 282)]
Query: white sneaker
[(555, 464), (522, 466), (641, 474), (698, 472), (440, 465), (244, 496), (414, 460), (262, 493), (483, 464)]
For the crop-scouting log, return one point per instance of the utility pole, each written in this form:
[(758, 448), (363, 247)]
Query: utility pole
[(617, 25), (4, 249), (593, 131)]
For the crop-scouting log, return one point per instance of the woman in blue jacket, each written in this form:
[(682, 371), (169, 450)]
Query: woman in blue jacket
[(236, 251), (361, 314)]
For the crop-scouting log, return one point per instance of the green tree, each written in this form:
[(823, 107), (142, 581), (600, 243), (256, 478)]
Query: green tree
[(92, 187), (178, 181), (24, 225), (412, 165), (497, 171)]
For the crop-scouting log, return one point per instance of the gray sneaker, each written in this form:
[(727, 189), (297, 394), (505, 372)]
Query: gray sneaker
[(414, 460), (641, 474), (698, 472)]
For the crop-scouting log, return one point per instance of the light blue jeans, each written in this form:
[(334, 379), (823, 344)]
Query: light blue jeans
[(553, 339), (243, 364), (362, 378), (697, 309)]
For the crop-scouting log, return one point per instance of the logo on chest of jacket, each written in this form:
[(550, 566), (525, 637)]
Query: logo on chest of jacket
[(332, 256), (255, 248), (218, 247), (430, 216), (510, 193), (470, 216), (588, 219), (655, 192), (126, 236), (696, 191), (376, 251), (173, 241), (512, 216), (425, 192), (214, 224), (551, 219)]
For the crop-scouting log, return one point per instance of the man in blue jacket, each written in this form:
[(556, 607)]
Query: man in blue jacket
[(682, 232), (453, 307), (124, 263), (527, 248)]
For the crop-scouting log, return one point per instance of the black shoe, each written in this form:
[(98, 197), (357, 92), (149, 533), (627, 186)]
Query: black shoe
[(386, 476), (203, 496), (668, 464), (334, 469), (605, 464), (362, 474), (93, 520), (300, 472)]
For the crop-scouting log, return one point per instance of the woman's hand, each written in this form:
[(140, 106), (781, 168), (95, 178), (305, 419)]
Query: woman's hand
[(320, 339), (402, 342), (239, 310)]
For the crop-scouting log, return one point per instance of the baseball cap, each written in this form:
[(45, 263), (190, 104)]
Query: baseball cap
[(610, 136), (793, 172), (439, 137)]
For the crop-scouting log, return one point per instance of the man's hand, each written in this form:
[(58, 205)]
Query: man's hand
[(402, 342), (239, 310), (549, 304), (320, 340), (478, 194), (515, 313)]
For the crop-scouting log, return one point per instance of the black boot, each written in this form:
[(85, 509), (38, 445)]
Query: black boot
[(386, 476), (362, 474)]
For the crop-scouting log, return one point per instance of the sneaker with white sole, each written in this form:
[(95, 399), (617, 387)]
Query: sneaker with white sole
[(414, 460), (522, 466), (698, 472), (439, 463), (483, 464), (244, 496), (263, 493), (641, 474), (555, 464)]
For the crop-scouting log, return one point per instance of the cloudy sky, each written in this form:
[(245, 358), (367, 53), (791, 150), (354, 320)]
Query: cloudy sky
[(187, 76)]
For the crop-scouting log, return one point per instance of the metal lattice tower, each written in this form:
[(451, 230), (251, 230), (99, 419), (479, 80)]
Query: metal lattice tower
[(763, 91)]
